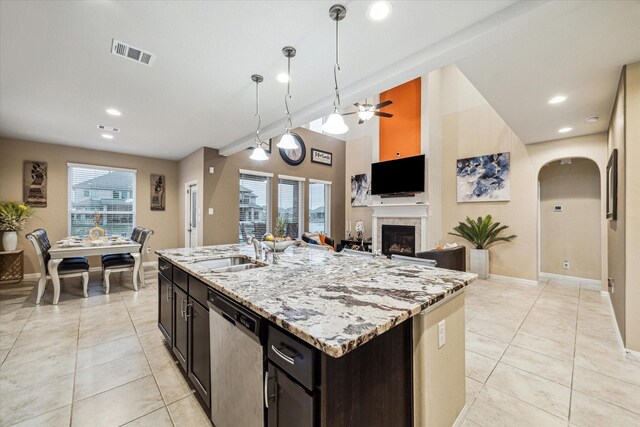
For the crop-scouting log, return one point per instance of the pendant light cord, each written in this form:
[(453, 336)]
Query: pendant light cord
[(258, 140), (287, 97), (336, 70)]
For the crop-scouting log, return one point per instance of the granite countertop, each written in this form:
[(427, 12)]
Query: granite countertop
[(334, 302)]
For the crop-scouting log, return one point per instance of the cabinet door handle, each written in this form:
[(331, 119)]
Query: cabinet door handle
[(187, 313), (286, 358), (168, 294), (182, 307), (266, 389)]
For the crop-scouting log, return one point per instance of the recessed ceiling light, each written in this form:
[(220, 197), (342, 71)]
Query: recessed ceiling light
[(113, 112), (107, 136), (565, 130), (557, 99), (379, 10), (591, 119), (282, 77)]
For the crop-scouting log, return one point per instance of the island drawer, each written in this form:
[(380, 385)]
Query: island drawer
[(180, 278), (165, 268), (198, 291), (292, 356)]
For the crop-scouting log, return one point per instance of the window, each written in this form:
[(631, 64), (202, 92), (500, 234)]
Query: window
[(290, 205), (319, 206), (255, 204), (108, 191)]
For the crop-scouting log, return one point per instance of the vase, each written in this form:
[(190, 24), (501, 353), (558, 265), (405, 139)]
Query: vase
[(480, 263), (10, 240)]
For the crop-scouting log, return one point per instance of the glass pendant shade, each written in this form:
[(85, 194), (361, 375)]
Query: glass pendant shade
[(335, 125), (259, 154), (365, 115), (287, 142)]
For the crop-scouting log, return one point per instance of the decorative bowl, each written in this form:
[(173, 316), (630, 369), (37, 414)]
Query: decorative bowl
[(279, 246)]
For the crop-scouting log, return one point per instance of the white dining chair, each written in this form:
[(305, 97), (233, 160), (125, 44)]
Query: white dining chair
[(117, 263)]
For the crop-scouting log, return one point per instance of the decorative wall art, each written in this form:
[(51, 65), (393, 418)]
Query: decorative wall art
[(612, 186), (322, 157), (484, 178), (360, 190), (35, 183), (158, 192)]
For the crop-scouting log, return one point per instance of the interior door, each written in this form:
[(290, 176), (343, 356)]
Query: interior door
[(191, 217)]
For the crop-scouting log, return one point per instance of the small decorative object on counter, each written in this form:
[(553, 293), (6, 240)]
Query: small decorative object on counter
[(96, 232), (481, 234), (279, 242), (13, 218), (360, 229)]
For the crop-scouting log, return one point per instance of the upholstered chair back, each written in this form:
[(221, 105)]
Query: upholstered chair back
[(42, 245)]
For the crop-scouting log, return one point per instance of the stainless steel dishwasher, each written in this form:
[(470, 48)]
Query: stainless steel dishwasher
[(237, 364)]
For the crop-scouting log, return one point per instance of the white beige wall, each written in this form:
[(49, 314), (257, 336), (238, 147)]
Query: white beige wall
[(573, 233), (358, 155), (53, 218)]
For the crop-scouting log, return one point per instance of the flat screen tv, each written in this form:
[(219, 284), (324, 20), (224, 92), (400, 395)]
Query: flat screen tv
[(398, 177)]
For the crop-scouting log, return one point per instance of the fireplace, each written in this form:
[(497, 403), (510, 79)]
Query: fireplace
[(398, 239)]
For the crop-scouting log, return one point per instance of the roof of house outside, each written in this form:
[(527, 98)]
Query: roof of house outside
[(109, 181)]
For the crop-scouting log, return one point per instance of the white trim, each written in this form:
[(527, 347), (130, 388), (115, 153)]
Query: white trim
[(574, 279), (292, 178), (255, 173), (462, 416), (318, 181), (107, 168), (516, 280), (36, 276), (625, 351)]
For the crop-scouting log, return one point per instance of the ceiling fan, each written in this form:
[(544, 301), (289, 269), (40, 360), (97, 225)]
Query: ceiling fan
[(366, 111)]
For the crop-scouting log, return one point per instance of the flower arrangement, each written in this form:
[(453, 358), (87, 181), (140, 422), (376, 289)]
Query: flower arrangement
[(14, 216)]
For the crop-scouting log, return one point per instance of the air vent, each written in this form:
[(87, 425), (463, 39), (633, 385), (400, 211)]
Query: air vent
[(108, 128), (133, 53)]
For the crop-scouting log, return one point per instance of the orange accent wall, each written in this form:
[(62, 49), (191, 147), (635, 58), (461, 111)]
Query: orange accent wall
[(401, 133)]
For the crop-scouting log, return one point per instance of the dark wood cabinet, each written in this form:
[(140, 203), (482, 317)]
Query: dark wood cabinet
[(290, 405), (165, 307), (199, 351), (180, 326)]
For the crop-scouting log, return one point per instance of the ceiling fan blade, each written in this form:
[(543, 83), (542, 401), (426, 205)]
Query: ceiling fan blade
[(346, 114), (361, 121), (382, 105), (381, 114), (357, 104)]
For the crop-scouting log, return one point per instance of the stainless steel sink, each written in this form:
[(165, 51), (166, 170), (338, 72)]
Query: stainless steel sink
[(230, 264)]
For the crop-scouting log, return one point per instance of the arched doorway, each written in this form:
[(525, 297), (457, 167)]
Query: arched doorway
[(570, 220)]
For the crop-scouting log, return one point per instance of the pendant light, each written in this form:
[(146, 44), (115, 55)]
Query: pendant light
[(258, 152), (287, 141), (335, 123)]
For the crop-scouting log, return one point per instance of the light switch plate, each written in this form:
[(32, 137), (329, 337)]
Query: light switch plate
[(442, 333), (211, 169), (210, 211)]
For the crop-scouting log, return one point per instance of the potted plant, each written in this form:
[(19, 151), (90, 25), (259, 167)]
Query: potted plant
[(13, 218), (481, 234)]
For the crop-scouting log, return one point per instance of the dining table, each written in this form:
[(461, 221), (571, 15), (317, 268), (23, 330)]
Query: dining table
[(87, 248)]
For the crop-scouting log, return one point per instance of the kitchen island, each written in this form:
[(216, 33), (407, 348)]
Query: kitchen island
[(340, 334)]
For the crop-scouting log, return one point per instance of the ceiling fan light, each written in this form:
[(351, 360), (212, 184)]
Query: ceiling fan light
[(287, 142), (365, 115), (259, 154), (335, 124)]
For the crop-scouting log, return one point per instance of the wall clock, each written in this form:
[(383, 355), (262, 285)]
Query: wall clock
[(296, 156)]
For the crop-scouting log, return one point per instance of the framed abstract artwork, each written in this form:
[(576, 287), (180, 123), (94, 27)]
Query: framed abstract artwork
[(612, 186), (484, 178), (360, 190), (35, 183)]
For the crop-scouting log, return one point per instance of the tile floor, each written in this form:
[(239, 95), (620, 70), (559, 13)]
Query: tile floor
[(541, 355)]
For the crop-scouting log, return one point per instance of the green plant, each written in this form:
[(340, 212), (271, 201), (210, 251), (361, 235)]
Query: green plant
[(281, 227), (481, 233), (14, 216)]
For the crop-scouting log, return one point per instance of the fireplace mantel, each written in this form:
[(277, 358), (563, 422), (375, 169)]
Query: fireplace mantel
[(404, 214)]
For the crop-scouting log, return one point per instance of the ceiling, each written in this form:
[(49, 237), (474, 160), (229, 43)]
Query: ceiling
[(57, 75)]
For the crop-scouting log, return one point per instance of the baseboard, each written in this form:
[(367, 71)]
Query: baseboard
[(590, 283), (625, 351), (461, 416), (516, 280), (149, 265)]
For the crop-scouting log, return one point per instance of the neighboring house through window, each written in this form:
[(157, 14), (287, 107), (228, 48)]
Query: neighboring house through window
[(109, 191), (255, 204)]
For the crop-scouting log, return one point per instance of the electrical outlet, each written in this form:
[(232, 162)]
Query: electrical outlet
[(565, 264), (442, 333), (149, 250)]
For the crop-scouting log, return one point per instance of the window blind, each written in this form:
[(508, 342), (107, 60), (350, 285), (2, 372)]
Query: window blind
[(255, 206), (111, 192), (290, 196), (319, 207)]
